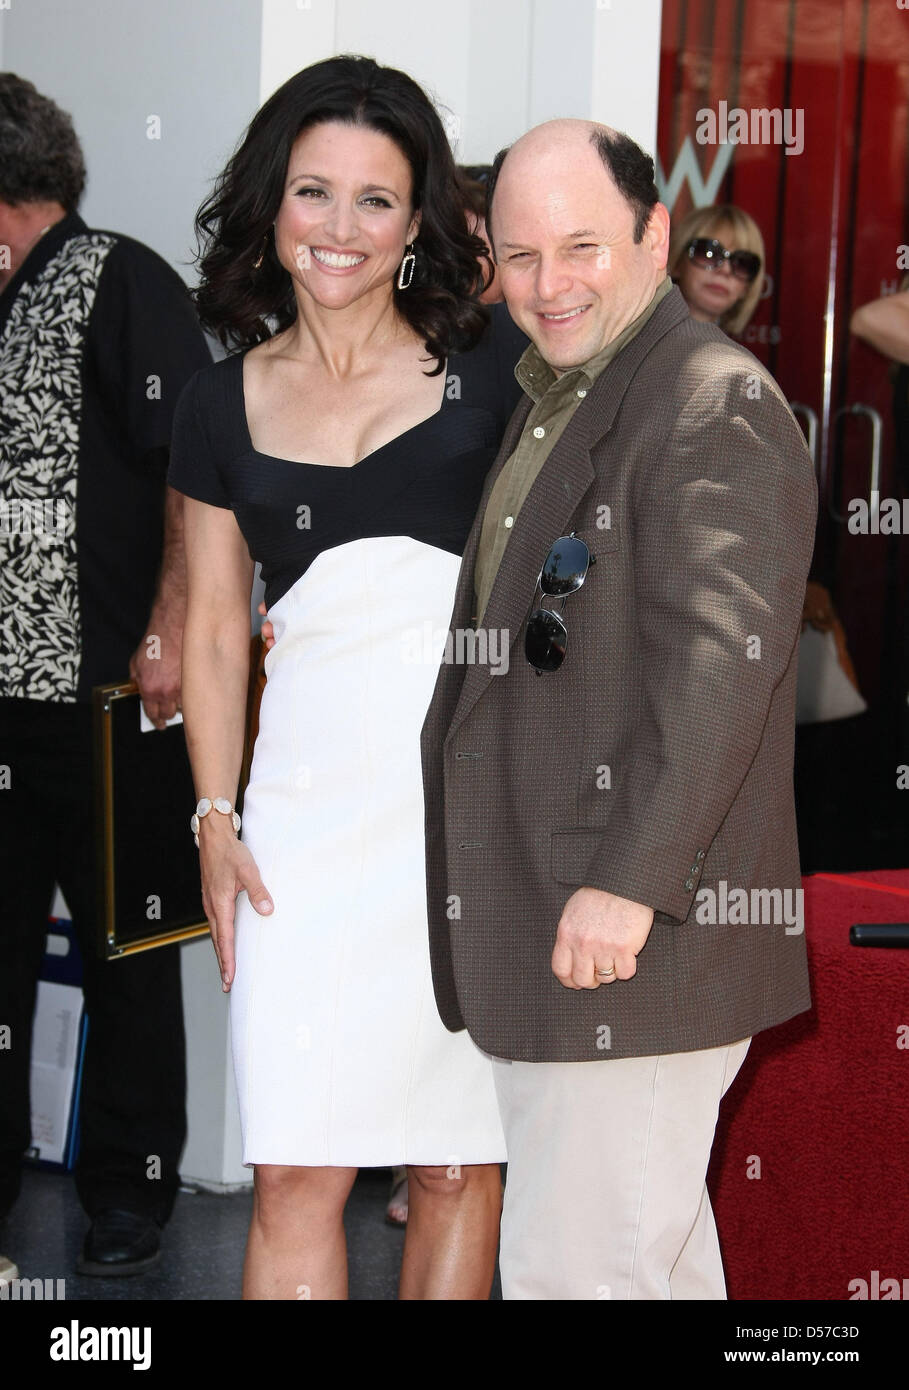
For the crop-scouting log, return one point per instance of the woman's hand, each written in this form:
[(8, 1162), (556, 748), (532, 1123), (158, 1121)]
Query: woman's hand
[(228, 868), (268, 632)]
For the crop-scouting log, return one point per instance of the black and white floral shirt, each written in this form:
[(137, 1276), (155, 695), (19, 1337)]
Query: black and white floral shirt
[(98, 336)]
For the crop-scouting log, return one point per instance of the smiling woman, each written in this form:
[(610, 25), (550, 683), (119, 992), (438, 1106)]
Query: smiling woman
[(237, 224), (345, 448), (346, 212)]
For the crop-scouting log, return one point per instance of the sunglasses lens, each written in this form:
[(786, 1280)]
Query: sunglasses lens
[(565, 567), (545, 640), (744, 264), (703, 251)]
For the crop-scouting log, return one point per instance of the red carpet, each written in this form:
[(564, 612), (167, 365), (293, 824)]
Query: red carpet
[(823, 1103)]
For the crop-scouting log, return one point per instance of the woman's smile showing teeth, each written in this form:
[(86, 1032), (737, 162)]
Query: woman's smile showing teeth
[(337, 260)]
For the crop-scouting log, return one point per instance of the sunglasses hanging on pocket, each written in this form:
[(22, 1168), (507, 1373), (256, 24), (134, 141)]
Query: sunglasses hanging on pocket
[(564, 571)]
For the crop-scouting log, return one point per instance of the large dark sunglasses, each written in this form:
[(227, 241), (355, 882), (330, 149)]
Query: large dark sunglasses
[(564, 571), (707, 253)]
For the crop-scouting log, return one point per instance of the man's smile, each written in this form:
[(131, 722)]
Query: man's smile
[(565, 314)]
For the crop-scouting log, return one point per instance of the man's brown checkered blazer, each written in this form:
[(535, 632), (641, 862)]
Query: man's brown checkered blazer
[(656, 763)]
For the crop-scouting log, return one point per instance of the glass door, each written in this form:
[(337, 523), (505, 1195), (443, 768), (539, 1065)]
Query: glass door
[(798, 112)]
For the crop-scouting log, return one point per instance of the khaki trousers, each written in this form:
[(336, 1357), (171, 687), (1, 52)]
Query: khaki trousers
[(605, 1197)]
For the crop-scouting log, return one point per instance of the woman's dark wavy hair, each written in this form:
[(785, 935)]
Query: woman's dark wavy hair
[(243, 306)]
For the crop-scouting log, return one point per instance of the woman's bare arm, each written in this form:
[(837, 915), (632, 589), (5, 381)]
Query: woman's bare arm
[(219, 574), (884, 325)]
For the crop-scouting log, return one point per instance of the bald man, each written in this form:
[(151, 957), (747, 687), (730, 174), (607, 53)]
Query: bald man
[(613, 875)]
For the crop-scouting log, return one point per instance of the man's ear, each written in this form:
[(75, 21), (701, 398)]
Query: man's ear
[(490, 243), (656, 234)]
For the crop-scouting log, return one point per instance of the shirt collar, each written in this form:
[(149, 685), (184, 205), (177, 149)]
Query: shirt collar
[(43, 251), (535, 376)]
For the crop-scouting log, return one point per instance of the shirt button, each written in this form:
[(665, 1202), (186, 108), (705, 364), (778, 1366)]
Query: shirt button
[(689, 884), (539, 432), (582, 394), (509, 521)]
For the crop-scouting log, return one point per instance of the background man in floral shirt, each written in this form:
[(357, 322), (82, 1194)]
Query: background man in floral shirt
[(97, 338)]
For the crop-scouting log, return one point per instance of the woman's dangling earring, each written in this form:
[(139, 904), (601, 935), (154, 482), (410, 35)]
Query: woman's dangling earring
[(261, 257), (407, 266)]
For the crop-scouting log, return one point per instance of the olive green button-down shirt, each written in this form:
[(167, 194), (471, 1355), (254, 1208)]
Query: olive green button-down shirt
[(556, 398)]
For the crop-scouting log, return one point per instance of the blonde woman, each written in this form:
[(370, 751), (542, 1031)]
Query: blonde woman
[(716, 257)]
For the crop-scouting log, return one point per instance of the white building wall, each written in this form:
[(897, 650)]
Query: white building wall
[(499, 66)]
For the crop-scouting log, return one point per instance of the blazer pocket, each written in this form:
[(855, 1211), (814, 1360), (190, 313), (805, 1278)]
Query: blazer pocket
[(571, 852)]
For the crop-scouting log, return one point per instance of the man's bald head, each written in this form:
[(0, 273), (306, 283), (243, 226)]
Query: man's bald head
[(566, 141), (579, 235)]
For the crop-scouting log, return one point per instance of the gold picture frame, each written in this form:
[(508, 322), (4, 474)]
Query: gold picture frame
[(128, 773), (146, 861)]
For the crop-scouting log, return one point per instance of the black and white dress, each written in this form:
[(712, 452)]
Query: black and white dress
[(339, 1052)]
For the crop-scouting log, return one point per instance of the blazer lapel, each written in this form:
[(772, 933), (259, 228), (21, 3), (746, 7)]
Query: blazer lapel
[(554, 496), (552, 500)]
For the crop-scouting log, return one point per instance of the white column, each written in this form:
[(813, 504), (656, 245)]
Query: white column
[(626, 67), (494, 67)]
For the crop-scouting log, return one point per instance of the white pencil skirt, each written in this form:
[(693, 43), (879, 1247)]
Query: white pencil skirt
[(340, 1056)]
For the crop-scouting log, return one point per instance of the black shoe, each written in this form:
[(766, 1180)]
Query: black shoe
[(119, 1242)]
